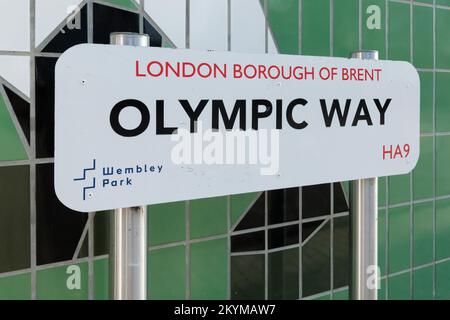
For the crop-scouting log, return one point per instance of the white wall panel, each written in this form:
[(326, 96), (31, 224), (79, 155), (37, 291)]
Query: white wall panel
[(49, 14), (15, 25), (271, 46), (208, 25), (247, 26), (170, 16), (16, 70)]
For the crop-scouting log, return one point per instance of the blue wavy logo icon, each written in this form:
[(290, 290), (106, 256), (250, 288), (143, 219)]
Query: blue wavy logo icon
[(85, 177)]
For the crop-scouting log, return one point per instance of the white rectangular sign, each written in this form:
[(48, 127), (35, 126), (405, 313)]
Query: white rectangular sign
[(137, 126)]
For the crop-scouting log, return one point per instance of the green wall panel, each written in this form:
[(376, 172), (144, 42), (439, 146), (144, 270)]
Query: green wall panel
[(209, 270), (426, 101), (399, 287), (423, 37), (382, 294), (341, 295), (399, 239), (382, 191), (14, 218), (423, 284), (11, 145), (442, 165), (101, 279), (423, 233), (382, 241), (423, 173), (167, 273), (323, 297), (442, 2), (52, 283), (240, 203), (208, 217), (443, 280), (399, 31), (166, 223), (16, 287), (442, 229), (127, 4), (283, 20), (316, 27), (442, 101), (442, 42), (374, 38), (346, 28), (399, 189)]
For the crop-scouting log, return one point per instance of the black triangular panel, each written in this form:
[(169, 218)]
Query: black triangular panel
[(316, 200), (283, 205), (255, 215), (45, 106), (155, 37), (309, 228), (21, 110), (108, 20), (340, 202), (248, 242), (316, 262), (341, 251), (75, 32)]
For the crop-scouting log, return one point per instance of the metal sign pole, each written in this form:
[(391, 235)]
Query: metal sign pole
[(364, 228), (128, 227)]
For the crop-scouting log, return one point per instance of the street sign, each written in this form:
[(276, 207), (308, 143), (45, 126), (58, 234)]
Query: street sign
[(137, 126)]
